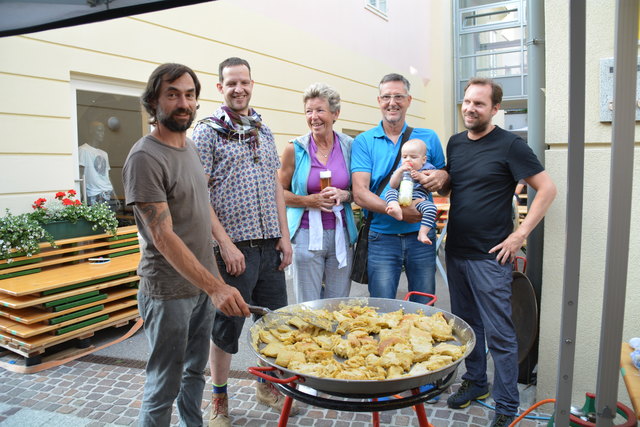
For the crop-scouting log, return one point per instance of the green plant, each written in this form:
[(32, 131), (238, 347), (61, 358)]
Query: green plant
[(21, 234), (65, 207)]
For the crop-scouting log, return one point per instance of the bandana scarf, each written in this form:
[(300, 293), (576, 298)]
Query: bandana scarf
[(239, 128)]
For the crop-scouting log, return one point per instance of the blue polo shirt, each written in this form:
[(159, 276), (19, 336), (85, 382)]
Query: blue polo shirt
[(373, 152)]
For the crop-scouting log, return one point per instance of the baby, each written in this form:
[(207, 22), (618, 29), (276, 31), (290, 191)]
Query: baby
[(414, 157)]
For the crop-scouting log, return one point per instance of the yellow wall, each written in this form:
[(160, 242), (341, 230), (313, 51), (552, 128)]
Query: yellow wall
[(440, 107), (37, 151), (600, 44)]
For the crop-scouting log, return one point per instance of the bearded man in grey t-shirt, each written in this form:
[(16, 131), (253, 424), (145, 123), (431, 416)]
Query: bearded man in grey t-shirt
[(179, 280)]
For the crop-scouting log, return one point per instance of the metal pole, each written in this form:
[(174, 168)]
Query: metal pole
[(620, 194), (575, 180), (536, 129)]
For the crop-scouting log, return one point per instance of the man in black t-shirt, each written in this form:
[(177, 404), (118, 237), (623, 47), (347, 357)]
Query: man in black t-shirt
[(485, 163)]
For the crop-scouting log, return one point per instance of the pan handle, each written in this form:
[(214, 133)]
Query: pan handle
[(424, 294), (258, 371), (261, 311)]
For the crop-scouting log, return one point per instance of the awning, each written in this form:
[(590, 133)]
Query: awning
[(28, 16)]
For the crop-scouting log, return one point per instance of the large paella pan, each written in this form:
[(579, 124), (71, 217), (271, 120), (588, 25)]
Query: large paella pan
[(462, 332)]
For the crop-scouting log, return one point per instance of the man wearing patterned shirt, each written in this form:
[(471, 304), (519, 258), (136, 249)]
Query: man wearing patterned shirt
[(240, 159)]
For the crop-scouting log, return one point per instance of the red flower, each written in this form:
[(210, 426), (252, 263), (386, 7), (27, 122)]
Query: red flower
[(71, 192), (67, 202), (38, 204), (78, 202), (60, 195)]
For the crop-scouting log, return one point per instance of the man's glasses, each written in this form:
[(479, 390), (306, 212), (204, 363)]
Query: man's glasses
[(397, 98)]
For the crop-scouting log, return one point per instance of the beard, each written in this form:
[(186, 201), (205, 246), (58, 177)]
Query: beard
[(477, 126), (173, 125), (394, 116)]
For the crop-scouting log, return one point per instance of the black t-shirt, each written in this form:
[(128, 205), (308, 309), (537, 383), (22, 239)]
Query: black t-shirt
[(484, 174)]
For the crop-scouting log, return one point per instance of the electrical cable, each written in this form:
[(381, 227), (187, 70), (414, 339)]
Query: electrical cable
[(524, 414)]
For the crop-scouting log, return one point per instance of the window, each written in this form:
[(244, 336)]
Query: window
[(109, 120), (379, 7), (490, 39)]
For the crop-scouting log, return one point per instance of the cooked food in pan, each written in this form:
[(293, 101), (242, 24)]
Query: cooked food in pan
[(367, 345)]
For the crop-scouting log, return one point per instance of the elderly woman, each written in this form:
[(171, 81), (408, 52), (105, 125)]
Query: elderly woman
[(321, 222)]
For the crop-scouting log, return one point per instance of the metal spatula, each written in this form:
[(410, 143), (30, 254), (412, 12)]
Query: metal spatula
[(305, 314)]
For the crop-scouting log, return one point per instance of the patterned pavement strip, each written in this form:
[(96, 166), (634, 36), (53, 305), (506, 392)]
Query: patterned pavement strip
[(94, 394)]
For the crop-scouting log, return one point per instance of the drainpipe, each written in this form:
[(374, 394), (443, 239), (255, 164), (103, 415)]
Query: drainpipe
[(536, 127)]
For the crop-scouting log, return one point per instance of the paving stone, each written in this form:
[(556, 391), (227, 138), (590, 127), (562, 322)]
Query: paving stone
[(125, 421), (129, 394), (84, 412), (40, 405), (402, 420), (363, 417), (107, 395), (11, 411), (107, 399), (66, 409), (108, 418), (96, 415), (53, 407), (459, 416), (93, 400), (131, 413)]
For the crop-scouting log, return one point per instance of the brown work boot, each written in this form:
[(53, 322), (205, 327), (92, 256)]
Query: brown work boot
[(219, 414), (267, 394)]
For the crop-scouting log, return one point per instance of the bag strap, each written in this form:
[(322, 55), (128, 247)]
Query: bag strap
[(383, 183)]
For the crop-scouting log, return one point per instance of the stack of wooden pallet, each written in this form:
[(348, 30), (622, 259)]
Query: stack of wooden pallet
[(85, 284)]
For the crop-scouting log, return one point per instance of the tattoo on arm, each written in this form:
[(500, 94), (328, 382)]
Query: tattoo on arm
[(153, 214)]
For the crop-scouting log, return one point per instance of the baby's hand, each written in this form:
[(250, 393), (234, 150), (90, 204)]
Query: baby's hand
[(418, 177), (407, 166)]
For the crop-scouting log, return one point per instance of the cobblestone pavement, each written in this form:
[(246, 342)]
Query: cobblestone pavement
[(86, 393)]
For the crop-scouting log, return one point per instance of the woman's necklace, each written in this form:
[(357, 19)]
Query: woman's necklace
[(322, 154)]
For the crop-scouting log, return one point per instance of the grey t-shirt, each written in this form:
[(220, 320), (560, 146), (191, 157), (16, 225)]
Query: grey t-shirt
[(155, 172)]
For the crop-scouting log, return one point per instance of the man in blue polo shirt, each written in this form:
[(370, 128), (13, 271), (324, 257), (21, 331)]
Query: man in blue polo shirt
[(392, 243)]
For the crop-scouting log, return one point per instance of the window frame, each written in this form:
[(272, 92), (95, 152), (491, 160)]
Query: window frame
[(461, 30), (374, 7)]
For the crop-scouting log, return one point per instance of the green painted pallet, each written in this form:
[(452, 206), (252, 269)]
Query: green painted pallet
[(20, 273), (18, 263), (80, 302), (81, 324), (122, 237), (79, 285), (131, 251), (75, 315), (71, 298), (124, 244)]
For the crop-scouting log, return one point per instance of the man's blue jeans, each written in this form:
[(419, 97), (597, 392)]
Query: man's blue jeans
[(480, 292), (178, 332), (388, 253)]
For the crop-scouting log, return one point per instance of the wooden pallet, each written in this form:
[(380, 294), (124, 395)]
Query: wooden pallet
[(59, 295)]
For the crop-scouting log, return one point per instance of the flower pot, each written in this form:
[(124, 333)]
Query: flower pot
[(67, 230)]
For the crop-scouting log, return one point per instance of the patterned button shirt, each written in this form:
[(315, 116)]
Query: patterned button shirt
[(242, 191)]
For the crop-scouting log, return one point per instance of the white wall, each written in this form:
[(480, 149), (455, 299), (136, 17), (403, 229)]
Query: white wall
[(599, 41), (290, 44)]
